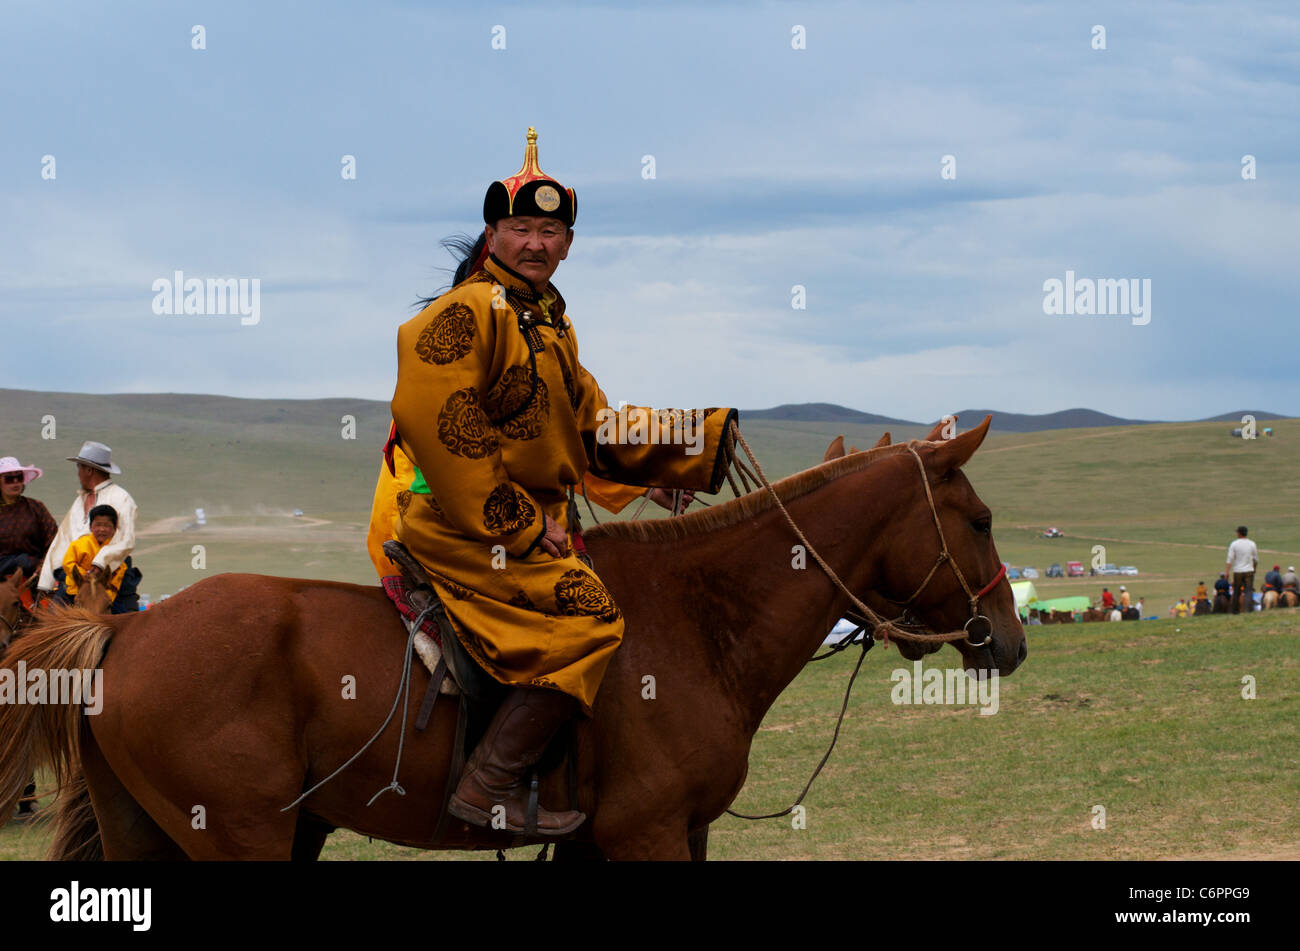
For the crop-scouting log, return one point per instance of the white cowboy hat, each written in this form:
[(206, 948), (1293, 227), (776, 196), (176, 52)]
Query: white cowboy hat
[(97, 456), (10, 464), (1122, 588)]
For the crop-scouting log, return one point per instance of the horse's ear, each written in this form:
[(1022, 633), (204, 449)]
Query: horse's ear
[(936, 434), (882, 441), (952, 454), (835, 450), (77, 578)]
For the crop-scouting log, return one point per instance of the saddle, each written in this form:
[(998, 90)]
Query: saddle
[(480, 694)]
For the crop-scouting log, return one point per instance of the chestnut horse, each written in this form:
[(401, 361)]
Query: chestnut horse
[(11, 607), (223, 704)]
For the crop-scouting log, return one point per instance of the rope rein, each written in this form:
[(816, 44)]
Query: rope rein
[(895, 626), (868, 617), (403, 694)]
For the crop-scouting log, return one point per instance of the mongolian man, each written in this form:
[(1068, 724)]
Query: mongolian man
[(497, 420)]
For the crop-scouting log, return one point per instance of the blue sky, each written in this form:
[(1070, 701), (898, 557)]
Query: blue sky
[(773, 167)]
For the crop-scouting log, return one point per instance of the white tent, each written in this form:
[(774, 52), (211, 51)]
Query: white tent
[(1024, 593)]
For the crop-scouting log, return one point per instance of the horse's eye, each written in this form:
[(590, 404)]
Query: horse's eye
[(982, 525)]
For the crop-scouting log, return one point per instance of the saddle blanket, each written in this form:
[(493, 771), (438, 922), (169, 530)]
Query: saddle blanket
[(428, 640)]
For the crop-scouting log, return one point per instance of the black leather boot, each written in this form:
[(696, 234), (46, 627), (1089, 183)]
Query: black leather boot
[(514, 741)]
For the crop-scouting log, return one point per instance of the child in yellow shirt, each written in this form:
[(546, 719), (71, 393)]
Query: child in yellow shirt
[(81, 553)]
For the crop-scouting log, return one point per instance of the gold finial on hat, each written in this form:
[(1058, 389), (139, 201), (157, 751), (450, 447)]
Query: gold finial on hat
[(530, 167)]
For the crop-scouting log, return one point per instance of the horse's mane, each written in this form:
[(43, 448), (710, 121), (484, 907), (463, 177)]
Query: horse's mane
[(726, 514)]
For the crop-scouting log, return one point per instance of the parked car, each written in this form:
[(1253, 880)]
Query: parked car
[(1127, 570), (1054, 570), (1074, 569), (1108, 569), (1053, 533), (1029, 573), (1013, 574)]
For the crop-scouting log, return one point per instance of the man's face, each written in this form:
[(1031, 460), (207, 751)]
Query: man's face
[(530, 246), (89, 476), (102, 528)]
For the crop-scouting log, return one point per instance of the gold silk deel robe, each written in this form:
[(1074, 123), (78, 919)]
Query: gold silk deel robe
[(500, 418), (391, 484)]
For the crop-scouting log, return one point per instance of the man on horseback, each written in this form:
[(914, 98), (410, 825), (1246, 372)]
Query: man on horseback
[(1290, 582), (95, 471), (500, 420), (1273, 580)]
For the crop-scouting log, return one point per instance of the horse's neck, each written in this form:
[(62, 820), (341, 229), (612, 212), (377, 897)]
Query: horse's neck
[(761, 605)]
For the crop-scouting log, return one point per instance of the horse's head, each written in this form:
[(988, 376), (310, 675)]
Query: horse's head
[(915, 576), (92, 592), (10, 605)]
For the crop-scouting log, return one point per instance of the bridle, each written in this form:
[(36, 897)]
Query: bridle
[(904, 626), (17, 624), (870, 624), (905, 619)]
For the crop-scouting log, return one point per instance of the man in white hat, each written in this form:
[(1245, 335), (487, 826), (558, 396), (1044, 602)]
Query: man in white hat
[(95, 470)]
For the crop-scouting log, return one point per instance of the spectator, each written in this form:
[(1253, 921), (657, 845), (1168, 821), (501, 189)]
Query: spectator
[(1243, 557), (1290, 580), (95, 470), (81, 553), (26, 525), (1273, 580)]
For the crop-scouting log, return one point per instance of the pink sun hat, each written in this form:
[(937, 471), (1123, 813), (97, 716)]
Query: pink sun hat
[(10, 464)]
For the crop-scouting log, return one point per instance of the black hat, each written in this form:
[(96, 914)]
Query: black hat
[(530, 191)]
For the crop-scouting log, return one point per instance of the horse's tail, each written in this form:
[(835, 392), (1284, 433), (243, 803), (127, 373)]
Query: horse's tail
[(65, 644), (76, 833)]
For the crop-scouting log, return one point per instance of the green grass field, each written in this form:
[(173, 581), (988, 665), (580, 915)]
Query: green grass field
[(1143, 719), (1146, 720)]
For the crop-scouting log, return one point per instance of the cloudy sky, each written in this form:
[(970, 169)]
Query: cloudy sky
[(128, 155)]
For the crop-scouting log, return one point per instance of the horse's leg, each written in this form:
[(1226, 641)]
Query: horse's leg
[(209, 820), (125, 830), (309, 838), (698, 842)]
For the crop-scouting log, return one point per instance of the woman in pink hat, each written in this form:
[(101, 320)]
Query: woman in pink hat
[(26, 526)]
